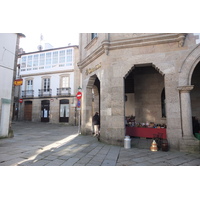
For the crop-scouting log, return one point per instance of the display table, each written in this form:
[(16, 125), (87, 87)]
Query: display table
[(146, 132)]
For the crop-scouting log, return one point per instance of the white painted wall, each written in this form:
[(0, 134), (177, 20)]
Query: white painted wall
[(7, 58), (54, 83)]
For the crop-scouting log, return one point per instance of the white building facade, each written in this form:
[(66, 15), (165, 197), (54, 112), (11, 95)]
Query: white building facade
[(50, 82), (9, 44)]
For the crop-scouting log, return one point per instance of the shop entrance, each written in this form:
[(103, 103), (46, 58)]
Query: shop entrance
[(195, 103), (145, 102), (64, 110), (45, 109), (28, 110)]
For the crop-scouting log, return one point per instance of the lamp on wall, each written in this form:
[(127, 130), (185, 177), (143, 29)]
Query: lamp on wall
[(79, 89)]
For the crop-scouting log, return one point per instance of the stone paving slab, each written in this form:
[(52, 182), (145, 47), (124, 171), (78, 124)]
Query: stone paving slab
[(45, 144)]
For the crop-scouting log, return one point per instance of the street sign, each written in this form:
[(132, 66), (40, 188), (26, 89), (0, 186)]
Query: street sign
[(18, 82), (79, 104), (79, 95)]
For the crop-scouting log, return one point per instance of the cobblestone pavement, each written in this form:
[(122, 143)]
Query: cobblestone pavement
[(45, 144)]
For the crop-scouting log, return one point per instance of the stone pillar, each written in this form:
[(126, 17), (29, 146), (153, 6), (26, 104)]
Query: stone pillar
[(186, 111), (86, 110)]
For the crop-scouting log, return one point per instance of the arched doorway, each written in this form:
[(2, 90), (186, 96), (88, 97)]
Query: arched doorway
[(195, 103), (96, 96), (187, 72), (145, 102), (91, 99)]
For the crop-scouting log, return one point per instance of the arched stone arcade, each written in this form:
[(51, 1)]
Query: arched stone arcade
[(187, 71), (91, 103)]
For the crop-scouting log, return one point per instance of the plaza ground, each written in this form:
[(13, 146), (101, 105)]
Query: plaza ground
[(46, 144)]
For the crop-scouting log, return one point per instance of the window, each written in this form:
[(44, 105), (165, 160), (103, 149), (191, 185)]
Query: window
[(62, 56), (35, 60), (48, 58), (69, 57), (93, 35), (46, 84), (55, 57), (29, 84), (29, 88), (65, 82), (30, 61), (42, 57), (23, 62)]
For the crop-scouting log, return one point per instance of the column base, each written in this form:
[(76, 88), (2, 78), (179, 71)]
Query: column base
[(190, 144)]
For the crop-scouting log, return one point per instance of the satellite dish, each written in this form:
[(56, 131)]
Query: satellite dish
[(40, 47)]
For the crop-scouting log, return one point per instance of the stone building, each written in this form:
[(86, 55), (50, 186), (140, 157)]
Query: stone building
[(9, 46), (154, 77), (50, 81)]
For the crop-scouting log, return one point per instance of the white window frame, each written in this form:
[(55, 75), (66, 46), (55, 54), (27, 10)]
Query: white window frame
[(48, 86)]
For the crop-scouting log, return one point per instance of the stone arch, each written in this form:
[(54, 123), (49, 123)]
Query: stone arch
[(141, 65), (87, 102), (91, 81), (135, 88), (187, 67), (185, 77)]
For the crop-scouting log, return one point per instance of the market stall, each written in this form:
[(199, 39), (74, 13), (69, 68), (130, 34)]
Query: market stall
[(146, 132)]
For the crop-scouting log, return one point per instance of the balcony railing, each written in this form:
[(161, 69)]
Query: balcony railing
[(64, 91), (44, 92), (27, 93)]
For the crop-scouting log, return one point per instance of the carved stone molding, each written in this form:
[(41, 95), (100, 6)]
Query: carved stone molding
[(91, 70), (186, 88), (91, 43), (145, 39), (138, 40)]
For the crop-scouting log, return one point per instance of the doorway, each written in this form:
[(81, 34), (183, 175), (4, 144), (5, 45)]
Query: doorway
[(64, 110), (28, 110), (195, 104), (45, 109)]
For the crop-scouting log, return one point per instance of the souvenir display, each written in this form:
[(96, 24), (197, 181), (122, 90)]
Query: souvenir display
[(130, 122)]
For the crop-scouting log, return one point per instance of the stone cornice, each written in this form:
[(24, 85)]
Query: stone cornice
[(149, 39), (94, 55), (138, 40)]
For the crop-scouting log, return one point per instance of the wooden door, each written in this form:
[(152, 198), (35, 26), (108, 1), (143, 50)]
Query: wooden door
[(28, 111)]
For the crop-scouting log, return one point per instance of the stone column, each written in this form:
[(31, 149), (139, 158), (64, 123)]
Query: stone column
[(186, 111)]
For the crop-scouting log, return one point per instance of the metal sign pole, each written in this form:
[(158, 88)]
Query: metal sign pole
[(79, 122), (78, 96)]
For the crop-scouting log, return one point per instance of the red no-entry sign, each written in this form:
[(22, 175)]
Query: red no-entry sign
[(79, 95)]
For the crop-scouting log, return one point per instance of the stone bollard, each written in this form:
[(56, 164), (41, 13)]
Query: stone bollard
[(127, 142)]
